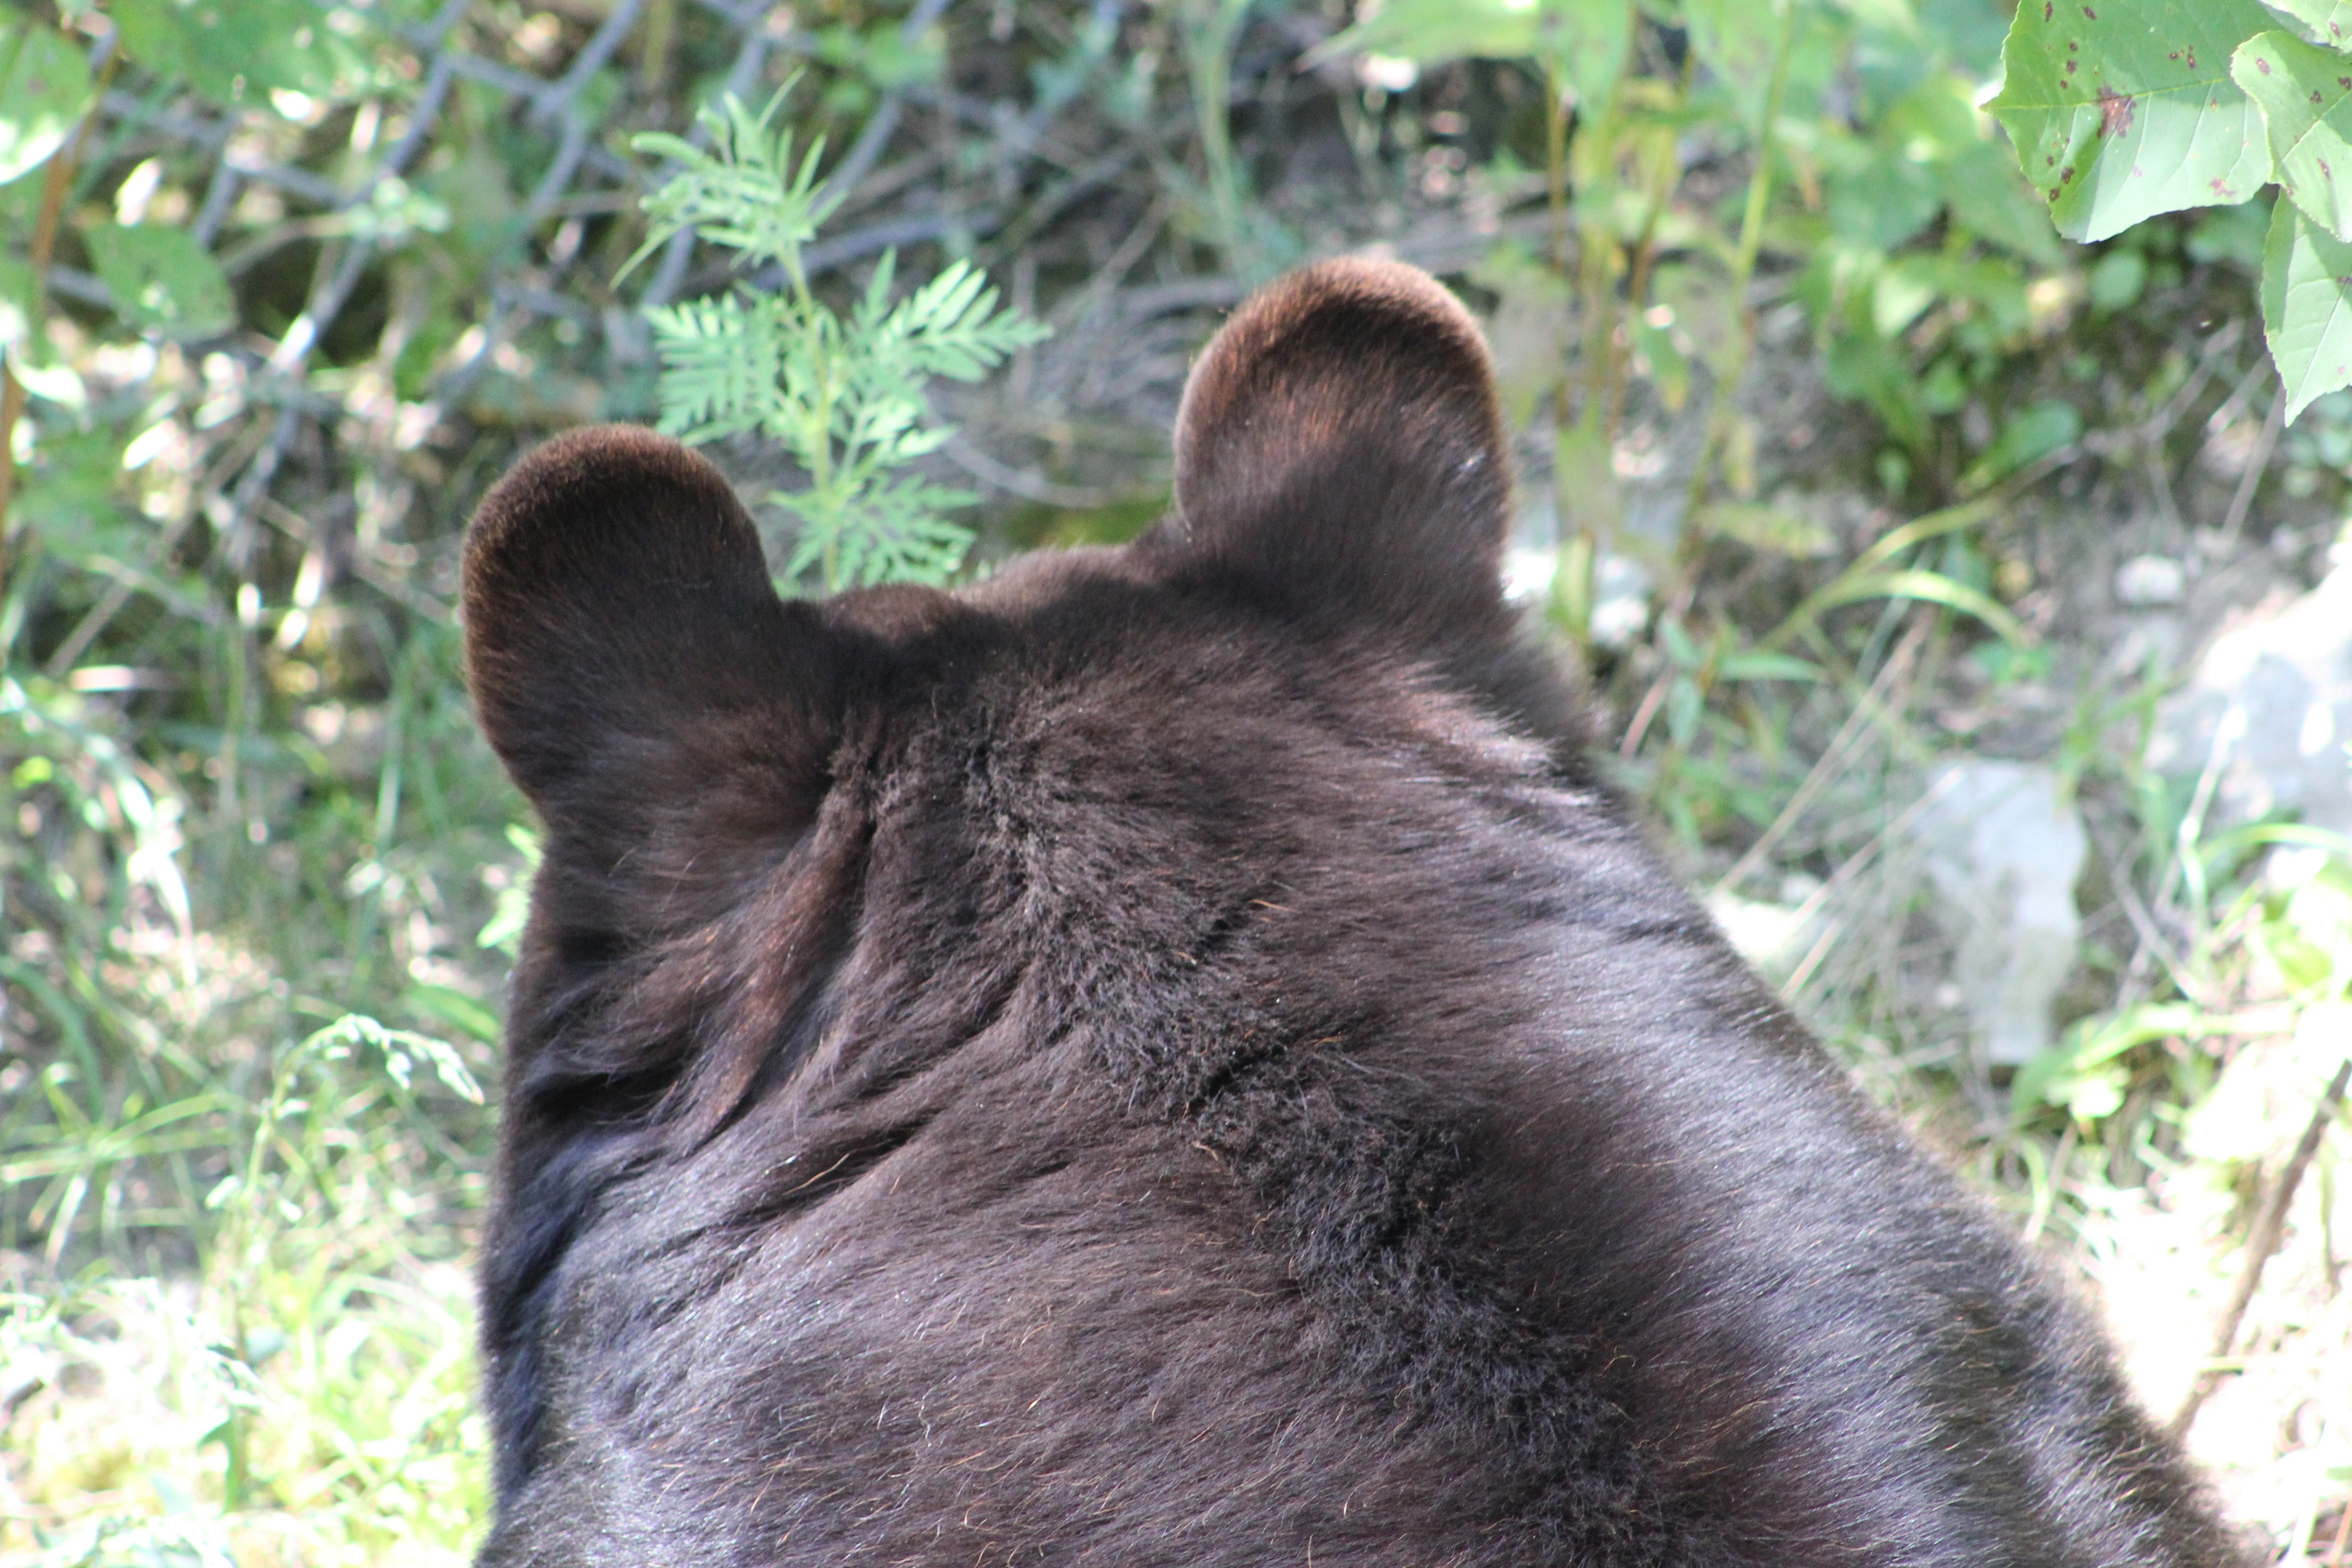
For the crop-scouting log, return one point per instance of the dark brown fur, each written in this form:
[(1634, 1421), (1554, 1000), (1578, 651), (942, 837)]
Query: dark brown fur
[(1166, 1057)]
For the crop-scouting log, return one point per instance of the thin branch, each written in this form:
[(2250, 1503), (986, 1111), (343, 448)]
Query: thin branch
[(2257, 461), (2270, 1229)]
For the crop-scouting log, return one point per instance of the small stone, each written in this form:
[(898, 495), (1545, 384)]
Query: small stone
[(1620, 599), (2146, 580), (2268, 713), (1772, 936), (2003, 846)]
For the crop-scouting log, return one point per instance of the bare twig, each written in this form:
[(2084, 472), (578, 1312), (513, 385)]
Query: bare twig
[(2270, 1229), (2256, 461), (1027, 486), (2343, 1538)]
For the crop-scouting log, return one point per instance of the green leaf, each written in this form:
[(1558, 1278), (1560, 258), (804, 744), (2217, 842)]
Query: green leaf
[(44, 87), (2031, 435), (2307, 307), (747, 194), (163, 280), (1927, 587), (2118, 281), (2124, 109), (19, 287), (1893, 15), (1769, 528), (2305, 93), (30, 361), (720, 364), (1429, 32), (455, 1008), (1987, 198), (234, 51), (1736, 40), (1584, 42), (880, 53), (1766, 666), (1878, 195), (2330, 21)]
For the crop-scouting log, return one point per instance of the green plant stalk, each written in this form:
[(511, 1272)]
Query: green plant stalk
[(1598, 271), (1743, 272), (1664, 177), (818, 438), (653, 57), (1602, 263), (1556, 166), (1572, 589), (1210, 27), (54, 184), (239, 1252)]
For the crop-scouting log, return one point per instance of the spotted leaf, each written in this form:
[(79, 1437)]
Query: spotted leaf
[(2123, 108)]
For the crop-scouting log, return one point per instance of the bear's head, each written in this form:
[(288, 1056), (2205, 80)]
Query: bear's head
[(1163, 809)]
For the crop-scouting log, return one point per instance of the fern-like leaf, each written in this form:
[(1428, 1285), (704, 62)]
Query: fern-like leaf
[(846, 398), (719, 367)]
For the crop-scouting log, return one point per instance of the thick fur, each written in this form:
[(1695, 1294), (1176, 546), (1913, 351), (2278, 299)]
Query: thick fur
[(1165, 1056)]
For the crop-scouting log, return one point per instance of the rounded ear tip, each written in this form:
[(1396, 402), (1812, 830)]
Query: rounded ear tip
[(597, 489), (1373, 280), (1336, 321), (583, 470)]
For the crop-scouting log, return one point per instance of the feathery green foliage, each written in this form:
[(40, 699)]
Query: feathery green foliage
[(844, 395)]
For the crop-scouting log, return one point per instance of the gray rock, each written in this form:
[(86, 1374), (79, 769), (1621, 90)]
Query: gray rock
[(2269, 711), (2001, 845), (2151, 579)]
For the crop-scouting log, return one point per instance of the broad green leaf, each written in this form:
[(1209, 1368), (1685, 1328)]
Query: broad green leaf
[(456, 1009), (1971, 29), (1662, 360), (1766, 666), (1904, 290), (1585, 474), (1768, 528), (1987, 198), (2305, 93), (2330, 21), (2307, 307), (1928, 588), (234, 51), (2124, 109), (30, 361), (2031, 435), (1429, 31), (1879, 195), (2118, 280), (19, 286), (1585, 41), (1735, 39), (163, 280), (1893, 15), (888, 59), (44, 87)]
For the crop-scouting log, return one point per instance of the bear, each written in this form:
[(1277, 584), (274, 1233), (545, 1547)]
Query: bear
[(1169, 1054)]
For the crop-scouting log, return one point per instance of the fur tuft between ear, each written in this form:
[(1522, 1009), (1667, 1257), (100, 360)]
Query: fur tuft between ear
[(627, 653), (1340, 445)]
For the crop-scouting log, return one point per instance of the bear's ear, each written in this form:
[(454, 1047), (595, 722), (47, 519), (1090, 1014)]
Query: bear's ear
[(1340, 445), (630, 661)]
